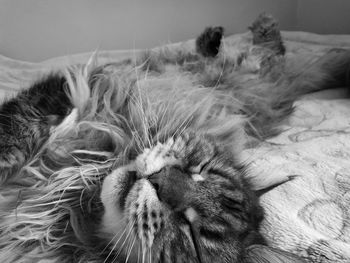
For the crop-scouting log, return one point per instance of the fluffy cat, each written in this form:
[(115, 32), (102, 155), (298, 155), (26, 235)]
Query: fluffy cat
[(125, 162)]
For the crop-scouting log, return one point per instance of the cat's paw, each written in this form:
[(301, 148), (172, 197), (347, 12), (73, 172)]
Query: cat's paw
[(266, 33), (209, 42)]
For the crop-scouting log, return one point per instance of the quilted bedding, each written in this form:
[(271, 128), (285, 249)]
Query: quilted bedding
[(309, 215)]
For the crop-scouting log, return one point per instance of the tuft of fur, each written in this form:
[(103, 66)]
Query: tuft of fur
[(25, 121)]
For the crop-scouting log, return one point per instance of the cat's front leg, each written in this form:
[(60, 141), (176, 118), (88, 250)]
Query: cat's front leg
[(26, 120)]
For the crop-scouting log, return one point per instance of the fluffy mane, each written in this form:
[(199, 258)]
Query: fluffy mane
[(49, 209)]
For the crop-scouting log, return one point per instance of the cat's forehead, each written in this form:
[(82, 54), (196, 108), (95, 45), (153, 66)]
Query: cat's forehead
[(188, 150), (154, 159)]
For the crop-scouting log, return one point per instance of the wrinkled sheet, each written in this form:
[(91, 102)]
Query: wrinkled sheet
[(309, 215)]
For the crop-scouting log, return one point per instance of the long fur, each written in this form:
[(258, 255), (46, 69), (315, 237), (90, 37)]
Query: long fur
[(47, 207)]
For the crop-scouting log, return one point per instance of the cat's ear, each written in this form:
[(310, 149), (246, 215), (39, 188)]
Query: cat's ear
[(265, 254)]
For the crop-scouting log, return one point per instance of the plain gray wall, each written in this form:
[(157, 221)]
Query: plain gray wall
[(324, 16), (36, 30)]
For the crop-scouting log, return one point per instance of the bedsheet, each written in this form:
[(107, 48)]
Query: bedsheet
[(309, 215)]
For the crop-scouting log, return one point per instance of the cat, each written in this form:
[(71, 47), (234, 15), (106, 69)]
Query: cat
[(125, 162)]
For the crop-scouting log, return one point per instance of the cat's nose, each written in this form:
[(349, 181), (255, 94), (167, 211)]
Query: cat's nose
[(173, 186)]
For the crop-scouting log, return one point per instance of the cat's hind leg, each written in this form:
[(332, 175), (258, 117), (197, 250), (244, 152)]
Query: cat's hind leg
[(266, 33), (209, 41), (26, 119)]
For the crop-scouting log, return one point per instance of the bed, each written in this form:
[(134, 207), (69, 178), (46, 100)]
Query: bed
[(309, 215)]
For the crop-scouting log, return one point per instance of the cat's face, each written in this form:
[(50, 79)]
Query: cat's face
[(180, 201)]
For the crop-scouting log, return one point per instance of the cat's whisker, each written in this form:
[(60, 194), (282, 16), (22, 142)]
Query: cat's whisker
[(146, 124), (165, 111), (183, 126), (110, 242), (130, 249), (146, 129), (143, 254), (138, 252), (150, 255), (115, 236), (135, 128), (141, 106), (116, 243), (129, 241), (135, 136), (125, 239)]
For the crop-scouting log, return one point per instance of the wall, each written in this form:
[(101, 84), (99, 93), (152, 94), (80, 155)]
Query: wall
[(324, 16), (41, 29)]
